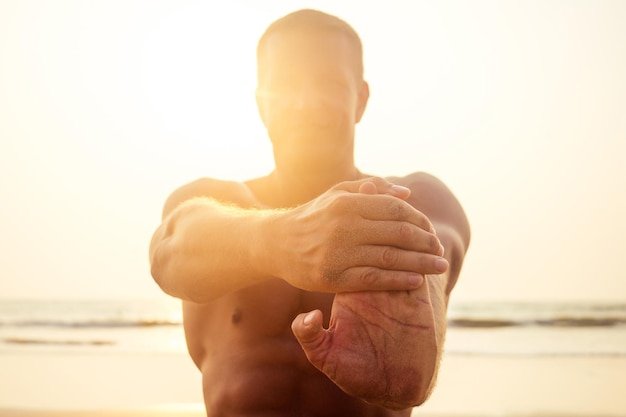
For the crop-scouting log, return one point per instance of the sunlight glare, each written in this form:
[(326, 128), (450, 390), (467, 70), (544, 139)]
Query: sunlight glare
[(199, 75)]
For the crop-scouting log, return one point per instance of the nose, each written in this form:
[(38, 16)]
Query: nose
[(306, 97)]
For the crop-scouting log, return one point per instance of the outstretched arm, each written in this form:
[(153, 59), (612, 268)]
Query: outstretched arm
[(342, 241)]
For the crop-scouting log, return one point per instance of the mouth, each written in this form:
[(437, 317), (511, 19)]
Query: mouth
[(307, 128)]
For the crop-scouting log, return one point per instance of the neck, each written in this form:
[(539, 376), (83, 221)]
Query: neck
[(298, 188)]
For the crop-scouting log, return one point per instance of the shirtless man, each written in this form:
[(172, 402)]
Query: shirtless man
[(315, 290)]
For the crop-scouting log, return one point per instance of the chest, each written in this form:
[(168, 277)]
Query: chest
[(270, 307), (262, 310)]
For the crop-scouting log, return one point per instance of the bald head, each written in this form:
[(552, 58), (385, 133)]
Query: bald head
[(311, 23)]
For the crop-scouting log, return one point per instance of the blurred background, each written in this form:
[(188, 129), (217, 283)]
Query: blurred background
[(520, 107)]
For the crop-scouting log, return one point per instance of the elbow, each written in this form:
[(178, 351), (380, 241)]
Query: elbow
[(158, 274), (172, 264), (421, 396), (176, 277), (412, 389), (163, 264), (160, 261), (416, 394), (164, 259)]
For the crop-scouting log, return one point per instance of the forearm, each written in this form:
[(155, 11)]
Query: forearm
[(204, 250), (439, 288), (427, 347), (421, 381), (438, 299)]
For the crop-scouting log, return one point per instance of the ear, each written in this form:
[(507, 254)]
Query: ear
[(260, 106), (364, 95)]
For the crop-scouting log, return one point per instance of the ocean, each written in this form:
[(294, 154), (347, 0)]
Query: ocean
[(474, 328)]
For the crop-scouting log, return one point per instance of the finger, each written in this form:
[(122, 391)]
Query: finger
[(393, 259), (370, 278), (390, 258), (353, 186), (384, 207), (308, 330), (402, 235), (382, 187), (398, 191), (368, 187), (379, 207), (385, 187)]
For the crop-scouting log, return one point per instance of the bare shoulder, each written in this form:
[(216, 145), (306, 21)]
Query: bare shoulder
[(232, 192), (433, 198)]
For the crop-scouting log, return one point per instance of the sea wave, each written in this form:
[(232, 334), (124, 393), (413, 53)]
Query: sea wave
[(555, 322), (110, 323), (494, 315), (475, 329), (142, 314), (56, 342), (459, 322), (85, 314)]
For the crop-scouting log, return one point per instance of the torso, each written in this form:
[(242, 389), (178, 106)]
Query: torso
[(251, 363)]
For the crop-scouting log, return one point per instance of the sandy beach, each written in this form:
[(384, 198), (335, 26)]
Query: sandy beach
[(167, 384), (103, 413)]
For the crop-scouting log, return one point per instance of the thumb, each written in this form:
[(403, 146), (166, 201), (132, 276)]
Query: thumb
[(368, 188), (307, 327)]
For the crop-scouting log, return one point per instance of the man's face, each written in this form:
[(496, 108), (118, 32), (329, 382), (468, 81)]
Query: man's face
[(310, 96)]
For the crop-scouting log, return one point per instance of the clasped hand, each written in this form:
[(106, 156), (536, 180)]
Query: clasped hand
[(359, 236)]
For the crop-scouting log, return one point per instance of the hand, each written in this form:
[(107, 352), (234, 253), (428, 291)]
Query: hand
[(358, 236), (380, 346)]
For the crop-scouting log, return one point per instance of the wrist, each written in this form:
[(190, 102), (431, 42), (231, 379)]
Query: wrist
[(265, 238)]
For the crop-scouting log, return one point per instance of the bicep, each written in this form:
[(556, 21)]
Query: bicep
[(226, 192), (433, 198)]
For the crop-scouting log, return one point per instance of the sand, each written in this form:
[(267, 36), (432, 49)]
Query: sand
[(167, 384), (172, 413), (103, 413), (513, 386)]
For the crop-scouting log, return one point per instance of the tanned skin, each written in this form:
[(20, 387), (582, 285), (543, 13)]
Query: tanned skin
[(315, 290)]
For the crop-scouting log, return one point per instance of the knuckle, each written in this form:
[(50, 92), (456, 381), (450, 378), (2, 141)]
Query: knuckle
[(399, 209), (433, 244), (341, 203), (368, 276), (378, 181), (405, 231), (422, 221), (389, 257)]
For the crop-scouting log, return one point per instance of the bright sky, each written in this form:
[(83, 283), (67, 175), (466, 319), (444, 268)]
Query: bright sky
[(520, 107)]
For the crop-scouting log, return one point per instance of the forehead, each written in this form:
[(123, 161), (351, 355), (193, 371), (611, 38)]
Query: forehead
[(308, 51)]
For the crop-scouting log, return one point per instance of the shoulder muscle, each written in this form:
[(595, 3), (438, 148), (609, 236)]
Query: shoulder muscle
[(433, 198), (231, 192)]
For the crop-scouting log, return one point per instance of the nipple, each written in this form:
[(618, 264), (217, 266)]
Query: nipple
[(236, 317)]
